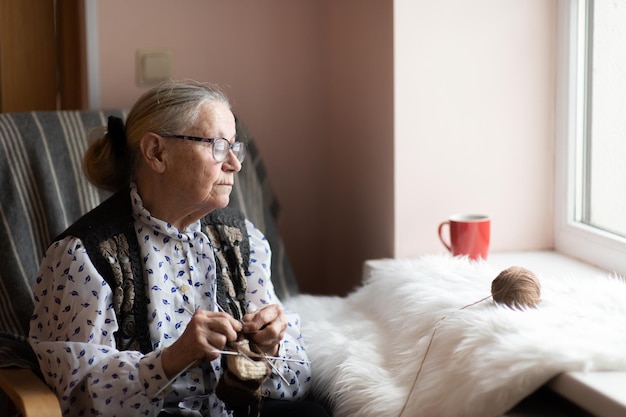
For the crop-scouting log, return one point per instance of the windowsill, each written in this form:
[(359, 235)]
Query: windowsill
[(599, 393), (545, 262)]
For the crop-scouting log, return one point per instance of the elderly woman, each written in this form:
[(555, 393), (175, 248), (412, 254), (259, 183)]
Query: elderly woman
[(159, 301)]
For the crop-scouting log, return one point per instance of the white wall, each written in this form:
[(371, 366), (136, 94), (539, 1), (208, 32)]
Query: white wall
[(474, 108)]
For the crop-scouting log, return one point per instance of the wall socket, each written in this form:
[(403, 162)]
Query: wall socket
[(153, 66)]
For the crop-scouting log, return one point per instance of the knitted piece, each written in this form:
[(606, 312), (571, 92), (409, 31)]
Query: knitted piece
[(240, 385), (252, 366)]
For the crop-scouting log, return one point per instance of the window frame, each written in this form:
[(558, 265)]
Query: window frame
[(572, 237)]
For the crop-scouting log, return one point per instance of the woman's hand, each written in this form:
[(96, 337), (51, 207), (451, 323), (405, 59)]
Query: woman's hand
[(266, 328), (206, 333)]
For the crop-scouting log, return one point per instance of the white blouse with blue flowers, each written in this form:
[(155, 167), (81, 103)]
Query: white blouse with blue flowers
[(74, 322)]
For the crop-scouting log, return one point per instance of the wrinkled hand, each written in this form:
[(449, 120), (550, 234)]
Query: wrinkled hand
[(266, 328), (206, 333)]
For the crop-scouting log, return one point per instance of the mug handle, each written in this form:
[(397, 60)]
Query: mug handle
[(441, 235)]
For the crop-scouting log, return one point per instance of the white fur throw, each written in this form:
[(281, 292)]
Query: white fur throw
[(366, 348)]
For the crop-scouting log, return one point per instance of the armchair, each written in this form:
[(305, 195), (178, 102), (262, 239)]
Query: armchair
[(42, 191)]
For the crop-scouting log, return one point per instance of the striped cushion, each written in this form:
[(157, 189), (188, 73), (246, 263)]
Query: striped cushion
[(43, 190)]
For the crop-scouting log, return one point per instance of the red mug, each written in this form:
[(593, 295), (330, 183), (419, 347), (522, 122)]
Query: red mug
[(469, 235)]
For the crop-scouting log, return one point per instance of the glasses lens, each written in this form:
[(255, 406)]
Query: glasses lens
[(220, 149), (239, 149)]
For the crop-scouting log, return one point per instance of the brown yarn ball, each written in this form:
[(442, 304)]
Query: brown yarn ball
[(516, 287)]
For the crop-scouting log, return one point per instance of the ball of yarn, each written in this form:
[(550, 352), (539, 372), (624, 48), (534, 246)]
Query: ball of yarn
[(517, 288)]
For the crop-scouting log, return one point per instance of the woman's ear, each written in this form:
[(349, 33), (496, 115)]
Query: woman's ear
[(152, 149)]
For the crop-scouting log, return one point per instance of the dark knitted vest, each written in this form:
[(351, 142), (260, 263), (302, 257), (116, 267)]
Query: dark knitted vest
[(109, 237)]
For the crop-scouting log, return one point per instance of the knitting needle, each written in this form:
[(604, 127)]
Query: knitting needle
[(230, 352), (227, 352), (171, 381), (186, 368), (279, 358), (276, 370), (267, 357)]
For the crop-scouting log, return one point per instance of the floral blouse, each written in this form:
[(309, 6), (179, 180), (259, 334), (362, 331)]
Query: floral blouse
[(73, 325)]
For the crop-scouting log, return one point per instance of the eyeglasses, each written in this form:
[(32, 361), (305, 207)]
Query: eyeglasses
[(221, 146)]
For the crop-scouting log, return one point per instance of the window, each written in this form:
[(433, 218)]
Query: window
[(590, 203)]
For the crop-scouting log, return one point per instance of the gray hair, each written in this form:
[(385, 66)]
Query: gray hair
[(168, 108)]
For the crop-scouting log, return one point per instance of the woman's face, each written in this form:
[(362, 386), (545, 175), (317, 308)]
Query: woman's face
[(197, 182)]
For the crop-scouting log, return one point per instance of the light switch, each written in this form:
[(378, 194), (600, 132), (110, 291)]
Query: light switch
[(153, 66)]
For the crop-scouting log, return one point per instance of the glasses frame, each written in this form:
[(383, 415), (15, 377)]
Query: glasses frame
[(231, 146)]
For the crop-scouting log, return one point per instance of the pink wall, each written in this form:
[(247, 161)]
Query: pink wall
[(376, 119), (298, 74)]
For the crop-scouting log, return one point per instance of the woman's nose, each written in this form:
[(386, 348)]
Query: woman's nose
[(231, 163)]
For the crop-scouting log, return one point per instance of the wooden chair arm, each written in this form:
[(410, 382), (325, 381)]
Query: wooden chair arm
[(29, 394)]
